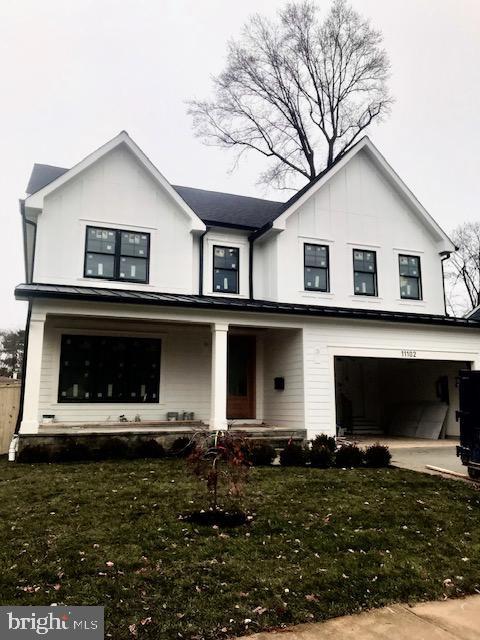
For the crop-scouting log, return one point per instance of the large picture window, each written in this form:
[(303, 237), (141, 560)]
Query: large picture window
[(225, 269), (109, 369), (410, 277), (112, 254), (364, 272), (316, 267)]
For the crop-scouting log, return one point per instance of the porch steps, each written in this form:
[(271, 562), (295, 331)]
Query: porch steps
[(365, 426), (276, 436)]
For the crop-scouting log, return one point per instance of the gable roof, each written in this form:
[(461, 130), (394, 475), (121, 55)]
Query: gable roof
[(213, 207), (258, 214), (445, 243), (35, 200)]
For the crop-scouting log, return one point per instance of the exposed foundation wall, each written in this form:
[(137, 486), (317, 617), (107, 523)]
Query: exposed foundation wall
[(184, 372), (284, 358)]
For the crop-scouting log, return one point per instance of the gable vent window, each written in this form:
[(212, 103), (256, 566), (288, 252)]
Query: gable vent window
[(410, 277), (112, 254), (316, 268), (225, 269), (364, 272)]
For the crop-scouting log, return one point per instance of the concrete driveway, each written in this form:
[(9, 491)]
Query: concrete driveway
[(417, 454)]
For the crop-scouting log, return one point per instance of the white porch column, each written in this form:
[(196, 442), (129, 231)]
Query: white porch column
[(218, 405), (29, 422)]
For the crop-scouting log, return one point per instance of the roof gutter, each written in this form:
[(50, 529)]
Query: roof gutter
[(444, 255), (250, 266), (25, 221), (259, 232), (200, 261), (102, 295)]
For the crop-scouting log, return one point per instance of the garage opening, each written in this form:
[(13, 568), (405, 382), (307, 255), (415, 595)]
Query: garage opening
[(394, 397)]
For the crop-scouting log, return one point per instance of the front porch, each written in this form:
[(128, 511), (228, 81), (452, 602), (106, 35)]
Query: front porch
[(188, 376)]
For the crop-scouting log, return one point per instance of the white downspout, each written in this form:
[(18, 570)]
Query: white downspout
[(13, 448)]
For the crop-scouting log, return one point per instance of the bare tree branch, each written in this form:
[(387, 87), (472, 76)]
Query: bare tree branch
[(462, 273), (298, 90)]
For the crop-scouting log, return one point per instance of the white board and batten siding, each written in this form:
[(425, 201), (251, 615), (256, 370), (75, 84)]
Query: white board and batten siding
[(325, 339), (356, 209), (115, 192)]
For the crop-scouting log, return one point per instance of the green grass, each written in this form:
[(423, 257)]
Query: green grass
[(322, 544)]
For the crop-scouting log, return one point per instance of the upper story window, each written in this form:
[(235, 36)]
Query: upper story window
[(364, 272), (316, 268), (410, 277), (113, 254), (225, 269)]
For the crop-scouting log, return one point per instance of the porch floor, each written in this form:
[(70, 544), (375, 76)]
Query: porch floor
[(262, 430)]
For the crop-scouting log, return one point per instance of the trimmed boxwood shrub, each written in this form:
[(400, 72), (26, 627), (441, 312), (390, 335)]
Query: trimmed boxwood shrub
[(261, 454), (114, 449), (182, 447), (377, 456), (150, 449), (322, 457), (294, 455), (322, 440), (349, 455)]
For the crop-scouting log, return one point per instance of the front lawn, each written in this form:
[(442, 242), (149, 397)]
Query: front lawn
[(322, 544)]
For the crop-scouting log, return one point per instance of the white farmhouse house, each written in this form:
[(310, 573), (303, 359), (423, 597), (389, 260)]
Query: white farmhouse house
[(159, 302)]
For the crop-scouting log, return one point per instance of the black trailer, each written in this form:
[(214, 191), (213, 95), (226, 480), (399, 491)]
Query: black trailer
[(469, 417)]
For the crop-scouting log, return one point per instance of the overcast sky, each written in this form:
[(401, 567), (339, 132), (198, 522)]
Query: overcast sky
[(73, 73)]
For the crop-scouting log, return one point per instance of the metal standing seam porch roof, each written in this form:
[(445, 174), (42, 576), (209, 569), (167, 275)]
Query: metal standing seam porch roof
[(103, 294)]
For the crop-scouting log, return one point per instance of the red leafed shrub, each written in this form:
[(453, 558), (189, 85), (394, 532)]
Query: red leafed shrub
[(220, 460)]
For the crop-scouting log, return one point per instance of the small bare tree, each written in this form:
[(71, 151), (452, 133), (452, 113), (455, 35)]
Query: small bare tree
[(462, 272), (298, 90)]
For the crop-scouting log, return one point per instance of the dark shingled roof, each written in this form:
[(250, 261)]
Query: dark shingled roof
[(43, 174), (103, 294), (229, 209), (213, 207)]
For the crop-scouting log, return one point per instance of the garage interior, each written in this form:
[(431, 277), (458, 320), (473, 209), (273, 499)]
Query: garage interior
[(396, 397)]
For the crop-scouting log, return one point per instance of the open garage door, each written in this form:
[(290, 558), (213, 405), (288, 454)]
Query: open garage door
[(396, 397)]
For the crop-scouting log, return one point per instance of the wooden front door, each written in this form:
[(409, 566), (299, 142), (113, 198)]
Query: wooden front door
[(241, 378)]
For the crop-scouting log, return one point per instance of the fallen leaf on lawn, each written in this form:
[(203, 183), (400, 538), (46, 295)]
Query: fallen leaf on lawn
[(133, 629), (109, 563), (311, 597), (145, 621)]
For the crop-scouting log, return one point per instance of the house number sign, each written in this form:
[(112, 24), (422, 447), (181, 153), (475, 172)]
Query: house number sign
[(409, 353)]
